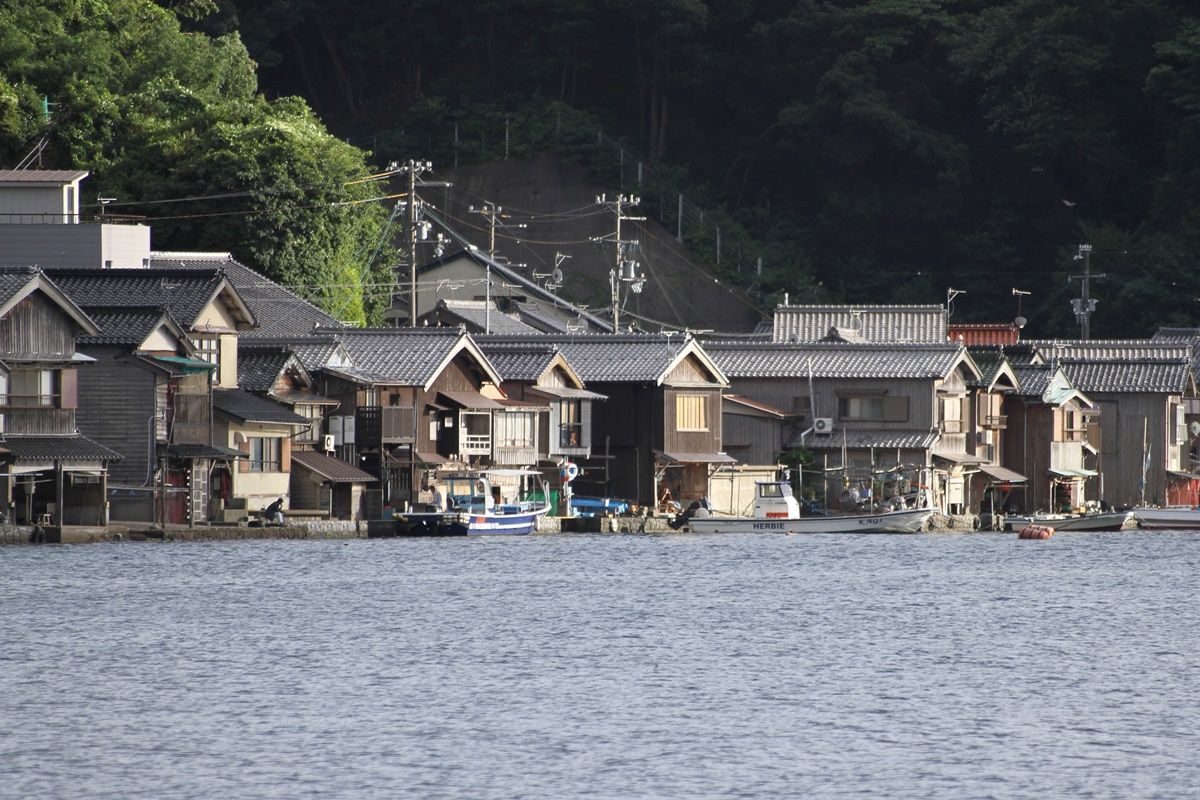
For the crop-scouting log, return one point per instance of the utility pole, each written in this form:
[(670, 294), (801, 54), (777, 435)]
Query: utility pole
[(417, 229), (626, 268), (1084, 305), (495, 216)]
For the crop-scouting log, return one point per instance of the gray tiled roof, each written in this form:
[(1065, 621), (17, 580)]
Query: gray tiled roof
[(403, 356), (60, 448), (184, 293), (277, 311), (1164, 376), (252, 408), (1109, 349), (521, 363), (258, 367), (875, 323), (605, 357), (842, 360), (123, 325), (857, 440), (13, 280), (1033, 378), (478, 317), (314, 353)]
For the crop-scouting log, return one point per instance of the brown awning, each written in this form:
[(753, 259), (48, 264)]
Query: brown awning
[(332, 469), (1002, 474), (567, 393), (466, 399)]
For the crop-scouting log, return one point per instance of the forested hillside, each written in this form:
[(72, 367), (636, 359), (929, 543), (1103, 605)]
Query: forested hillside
[(879, 150), (887, 149)]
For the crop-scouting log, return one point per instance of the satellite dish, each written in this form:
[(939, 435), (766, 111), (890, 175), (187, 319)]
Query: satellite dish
[(1020, 322), (1194, 427), (556, 276)]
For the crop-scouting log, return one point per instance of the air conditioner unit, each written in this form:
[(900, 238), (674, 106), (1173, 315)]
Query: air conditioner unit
[(823, 425), (327, 441)]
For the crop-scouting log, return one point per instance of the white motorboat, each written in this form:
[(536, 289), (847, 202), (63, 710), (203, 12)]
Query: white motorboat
[(1098, 521), (776, 511), (1169, 517)]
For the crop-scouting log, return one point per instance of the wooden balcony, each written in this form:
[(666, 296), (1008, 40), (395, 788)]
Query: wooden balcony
[(376, 425), (38, 421)]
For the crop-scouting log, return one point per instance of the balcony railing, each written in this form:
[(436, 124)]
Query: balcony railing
[(953, 426), (375, 425), (39, 421), (475, 444)]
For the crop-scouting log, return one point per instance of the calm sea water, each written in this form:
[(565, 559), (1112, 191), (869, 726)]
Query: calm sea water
[(681, 666)]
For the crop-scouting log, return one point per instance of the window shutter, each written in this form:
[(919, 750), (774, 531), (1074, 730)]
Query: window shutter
[(244, 463), (555, 435), (68, 392), (285, 454), (585, 418)]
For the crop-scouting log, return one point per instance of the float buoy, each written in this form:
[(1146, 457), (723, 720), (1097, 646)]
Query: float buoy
[(1035, 532)]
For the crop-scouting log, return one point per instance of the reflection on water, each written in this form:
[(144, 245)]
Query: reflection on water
[(603, 666)]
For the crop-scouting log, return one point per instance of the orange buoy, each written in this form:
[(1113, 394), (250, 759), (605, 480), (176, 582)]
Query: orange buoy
[(1035, 532)]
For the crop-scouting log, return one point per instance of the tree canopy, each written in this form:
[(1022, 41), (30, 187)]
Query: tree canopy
[(160, 114)]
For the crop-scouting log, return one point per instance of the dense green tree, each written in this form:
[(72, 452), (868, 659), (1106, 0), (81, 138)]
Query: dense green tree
[(160, 114)]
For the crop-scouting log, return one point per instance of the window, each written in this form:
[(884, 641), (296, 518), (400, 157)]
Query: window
[(514, 429), (860, 407), (570, 423), (691, 412), (265, 454), (315, 418), (208, 348), (32, 388)]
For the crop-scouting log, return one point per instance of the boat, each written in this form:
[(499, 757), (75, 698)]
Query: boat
[(475, 506), (777, 511), (1167, 517), (1097, 521)]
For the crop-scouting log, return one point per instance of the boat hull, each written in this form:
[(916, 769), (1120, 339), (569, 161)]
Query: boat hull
[(904, 521), (1167, 518), (465, 524), (1107, 521)]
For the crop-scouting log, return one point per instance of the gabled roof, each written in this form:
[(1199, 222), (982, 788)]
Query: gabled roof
[(17, 283), (994, 368), (530, 364), (260, 366), (184, 293), (619, 358), (132, 326), (1049, 384), (406, 356), (278, 312), (875, 323), (242, 405), (841, 360)]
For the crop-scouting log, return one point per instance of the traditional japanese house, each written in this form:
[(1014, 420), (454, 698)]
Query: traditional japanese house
[(661, 423), (883, 324), (411, 401), (166, 339), (51, 474)]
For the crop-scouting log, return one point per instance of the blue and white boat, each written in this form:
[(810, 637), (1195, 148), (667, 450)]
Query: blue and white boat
[(476, 505)]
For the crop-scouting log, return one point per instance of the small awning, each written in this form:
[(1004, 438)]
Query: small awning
[(961, 458), (567, 393), (1183, 476), (472, 400), (1073, 474), (331, 469), (697, 458), (400, 456), (297, 397), (1002, 474), (186, 365), (194, 451)]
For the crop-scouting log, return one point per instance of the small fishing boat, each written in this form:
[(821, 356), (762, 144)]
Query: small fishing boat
[(1169, 517), (475, 505), (777, 511), (1097, 521)]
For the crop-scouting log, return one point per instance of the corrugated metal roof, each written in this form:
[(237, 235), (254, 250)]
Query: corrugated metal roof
[(330, 468), (860, 440), (875, 323), (41, 175)]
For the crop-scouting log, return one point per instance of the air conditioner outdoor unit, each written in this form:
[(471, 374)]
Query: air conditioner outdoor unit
[(327, 441), (823, 425)]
